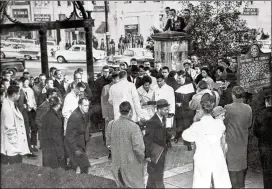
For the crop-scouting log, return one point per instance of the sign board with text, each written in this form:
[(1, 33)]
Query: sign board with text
[(250, 11), (97, 8), (42, 17), (254, 69)]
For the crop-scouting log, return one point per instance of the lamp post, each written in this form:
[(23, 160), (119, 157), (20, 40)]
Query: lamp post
[(107, 28), (107, 43)]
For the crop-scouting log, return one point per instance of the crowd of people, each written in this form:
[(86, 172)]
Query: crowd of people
[(137, 108)]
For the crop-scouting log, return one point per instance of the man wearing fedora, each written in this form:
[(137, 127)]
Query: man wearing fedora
[(157, 133)]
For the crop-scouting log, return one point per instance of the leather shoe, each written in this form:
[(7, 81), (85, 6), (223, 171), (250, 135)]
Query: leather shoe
[(34, 149), (32, 155)]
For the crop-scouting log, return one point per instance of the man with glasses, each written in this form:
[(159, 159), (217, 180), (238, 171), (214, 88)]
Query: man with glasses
[(71, 101)]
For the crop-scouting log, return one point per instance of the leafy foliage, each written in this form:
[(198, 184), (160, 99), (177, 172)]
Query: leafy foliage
[(217, 29)]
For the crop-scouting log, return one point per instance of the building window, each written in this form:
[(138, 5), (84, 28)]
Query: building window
[(68, 3), (59, 3)]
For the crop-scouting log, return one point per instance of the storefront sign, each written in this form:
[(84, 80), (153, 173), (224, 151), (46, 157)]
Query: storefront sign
[(250, 11), (97, 8), (42, 17), (20, 13), (131, 27), (254, 69)]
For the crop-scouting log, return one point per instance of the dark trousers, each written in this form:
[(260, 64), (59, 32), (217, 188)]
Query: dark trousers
[(33, 127), (237, 178), (266, 160), (11, 159), (155, 173)]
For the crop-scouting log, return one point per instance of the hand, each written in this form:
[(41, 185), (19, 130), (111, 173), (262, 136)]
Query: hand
[(148, 159), (78, 153), (168, 144), (109, 147)]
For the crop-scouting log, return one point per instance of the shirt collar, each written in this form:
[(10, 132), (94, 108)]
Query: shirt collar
[(159, 117)]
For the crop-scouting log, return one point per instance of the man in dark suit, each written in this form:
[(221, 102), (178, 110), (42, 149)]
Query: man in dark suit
[(58, 82), (175, 23), (77, 136), (134, 77), (157, 133), (168, 80)]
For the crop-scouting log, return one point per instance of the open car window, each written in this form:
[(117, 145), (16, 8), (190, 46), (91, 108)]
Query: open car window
[(75, 48)]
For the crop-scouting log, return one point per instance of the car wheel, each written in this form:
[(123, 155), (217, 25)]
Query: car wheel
[(61, 59), (27, 57), (13, 71), (2, 55)]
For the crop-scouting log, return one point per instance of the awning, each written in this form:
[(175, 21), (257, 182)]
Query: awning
[(102, 28)]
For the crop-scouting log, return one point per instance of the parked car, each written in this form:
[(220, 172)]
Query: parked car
[(140, 54), (13, 65), (265, 45), (77, 53), (12, 51)]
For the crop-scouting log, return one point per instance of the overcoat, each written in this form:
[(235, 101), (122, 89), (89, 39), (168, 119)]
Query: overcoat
[(13, 132), (127, 148), (209, 160), (52, 139)]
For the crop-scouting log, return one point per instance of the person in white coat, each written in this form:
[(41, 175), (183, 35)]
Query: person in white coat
[(209, 160), (14, 142), (125, 91), (166, 92)]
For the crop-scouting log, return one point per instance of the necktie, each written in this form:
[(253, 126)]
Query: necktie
[(15, 106), (164, 121)]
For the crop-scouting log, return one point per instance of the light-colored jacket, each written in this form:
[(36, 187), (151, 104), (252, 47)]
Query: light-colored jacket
[(13, 131), (125, 91), (147, 110), (128, 153), (31, 101), (209, 157)]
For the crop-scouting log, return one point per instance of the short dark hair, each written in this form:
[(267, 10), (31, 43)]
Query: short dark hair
[(80, 85), (124, 108), (48, 79), (114, 74), (160, 76), (238, 92), (13, 89), (167, 8), (172, 73), (50, 92), (133, 59), (181, 73), (57, 70), (141, 66), (165, 68), (52, 69), (146, 79), (146, 69), (122, 74), (42, 74), (80, 70), (173, 10), (220, 68), (80, 101), (187, 10), (134, 69), (54, 101), (24, 79), (25, 73)]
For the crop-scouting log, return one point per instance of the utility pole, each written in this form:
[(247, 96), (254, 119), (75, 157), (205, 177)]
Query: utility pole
[(107, 27)]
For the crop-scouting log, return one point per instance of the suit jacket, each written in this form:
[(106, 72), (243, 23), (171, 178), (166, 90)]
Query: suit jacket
[(87, 93), (154, 72), (155, 132), (171, 82), (138, 82), (41, 112), (77, 132), (98, 87), (60, 87), (177, 25)]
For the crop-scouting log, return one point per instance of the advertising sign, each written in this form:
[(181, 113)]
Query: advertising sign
[(42, 17)]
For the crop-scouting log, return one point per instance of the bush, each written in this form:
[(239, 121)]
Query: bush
[(30, 176)]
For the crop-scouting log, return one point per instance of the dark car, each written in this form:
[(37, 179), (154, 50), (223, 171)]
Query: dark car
[(14, 65)]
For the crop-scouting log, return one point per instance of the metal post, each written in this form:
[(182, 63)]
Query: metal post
[(107, 28), (89, 51), (44, 55)]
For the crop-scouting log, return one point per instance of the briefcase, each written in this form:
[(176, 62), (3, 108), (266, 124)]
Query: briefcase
[(156, 152)]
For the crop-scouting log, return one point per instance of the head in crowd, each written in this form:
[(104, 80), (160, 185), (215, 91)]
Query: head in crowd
[(55, 102), (123, 75), (105, 71), (194, 59), (147, 71), (25, 82), (122, 66), (58, 75), (115, 77), (186, 13), (49, 83), (5, 83), (141, 71), (181, 77), (84, 105), (237, 93), (146, 82), (2, 95), (205, 72), (202, 85), (80, 70), (158, 66), (134, 71), (187, 65), (32, 80), (80, 88), (133, 61), (19, 83), (207, 103), (66, 79), (52, 71), (220, 71), (167, 10), (77, 77), (165, 71), (6, 75), (173, 13), (160, 80), (173, 74), (147, 64), (13, 93), (225, 63), (125, 109), (162, 107), (51, 92), (26, 75)]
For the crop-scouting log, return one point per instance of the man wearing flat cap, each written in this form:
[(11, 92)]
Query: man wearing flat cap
[(157, 133)]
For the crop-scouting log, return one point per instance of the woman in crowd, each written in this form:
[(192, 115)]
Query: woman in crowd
[(52, 136), (184, 115), (147, 96), (209, 160)]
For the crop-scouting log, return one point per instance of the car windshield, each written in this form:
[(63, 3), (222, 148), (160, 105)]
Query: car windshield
[(26, 41), (128, 53)]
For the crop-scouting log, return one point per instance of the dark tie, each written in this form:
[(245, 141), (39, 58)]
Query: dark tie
[(15, 106), (164, 121)]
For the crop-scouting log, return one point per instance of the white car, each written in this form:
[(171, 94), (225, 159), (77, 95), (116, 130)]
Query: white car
[(12, 51), (77, 53), (265, 45)]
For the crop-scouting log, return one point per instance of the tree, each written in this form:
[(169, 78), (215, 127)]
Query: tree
[(217, 30)]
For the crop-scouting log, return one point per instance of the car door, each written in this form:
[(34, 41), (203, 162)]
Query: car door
[(82, 54), (73, 53)]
